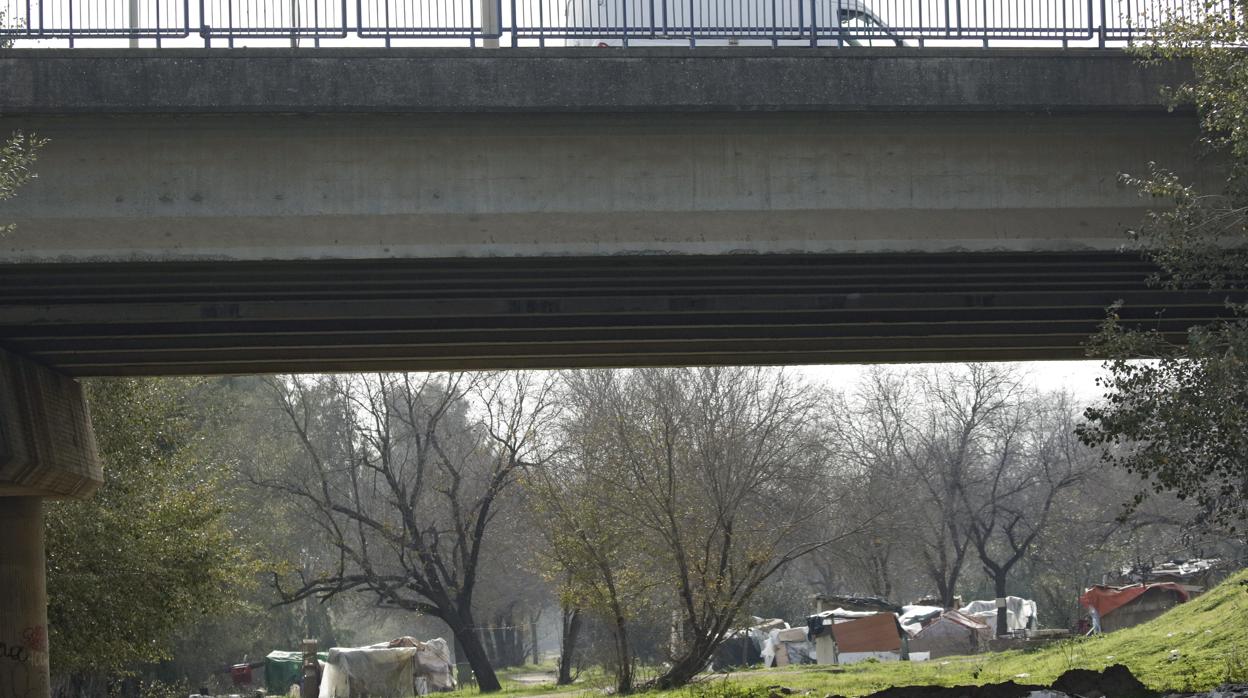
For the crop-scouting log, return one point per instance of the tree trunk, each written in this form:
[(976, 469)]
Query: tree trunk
[(474, 654), (687, 667), (534, 619), (623, 657), (999, 586), (502, 650), (567, 644)]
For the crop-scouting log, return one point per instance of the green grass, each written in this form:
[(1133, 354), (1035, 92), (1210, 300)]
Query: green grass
[(1209, 633)]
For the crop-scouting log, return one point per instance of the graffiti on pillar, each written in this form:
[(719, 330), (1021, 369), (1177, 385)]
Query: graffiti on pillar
[(35, 638), (23, 663), (14, 653), (16, 673)]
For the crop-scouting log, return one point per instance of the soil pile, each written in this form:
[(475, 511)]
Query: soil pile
[(1114, 682)]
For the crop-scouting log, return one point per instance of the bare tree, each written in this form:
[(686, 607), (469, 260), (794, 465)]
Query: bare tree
[(401, 476), (1031, 456), (710, 479), (864, 437)]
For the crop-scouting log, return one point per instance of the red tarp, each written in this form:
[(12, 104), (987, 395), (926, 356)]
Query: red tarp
[(241, 674), (1107, 599)]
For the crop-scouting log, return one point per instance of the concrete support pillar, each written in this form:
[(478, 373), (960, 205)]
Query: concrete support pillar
[(47, 449), (23, 600)]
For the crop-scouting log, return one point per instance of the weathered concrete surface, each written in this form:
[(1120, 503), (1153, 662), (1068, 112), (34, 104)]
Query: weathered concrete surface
[(269, 211), (24, 600), (418, 186), (47, 447), (579, 80)]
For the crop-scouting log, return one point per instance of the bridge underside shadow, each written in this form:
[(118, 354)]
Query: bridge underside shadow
[(563, 312)]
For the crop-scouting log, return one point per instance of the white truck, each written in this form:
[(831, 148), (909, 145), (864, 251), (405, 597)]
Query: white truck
[(719, 22)]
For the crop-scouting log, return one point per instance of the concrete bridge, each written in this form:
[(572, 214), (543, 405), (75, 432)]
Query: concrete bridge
[(273, 210), (259, 211)]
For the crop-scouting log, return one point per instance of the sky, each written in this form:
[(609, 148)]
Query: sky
[(1076, 377)]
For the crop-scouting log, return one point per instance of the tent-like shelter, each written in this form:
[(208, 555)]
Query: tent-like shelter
[(394, 669), (952, 633)]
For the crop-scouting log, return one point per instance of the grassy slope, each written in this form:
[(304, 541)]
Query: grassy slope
[(1210, 634)]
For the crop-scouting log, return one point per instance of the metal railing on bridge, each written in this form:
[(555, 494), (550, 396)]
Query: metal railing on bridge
[(591, 22)]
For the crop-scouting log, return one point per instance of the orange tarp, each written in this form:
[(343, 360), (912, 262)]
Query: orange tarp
[(877, 633), (1106, 599)]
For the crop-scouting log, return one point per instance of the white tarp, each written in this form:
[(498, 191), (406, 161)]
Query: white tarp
[(789, 646), (1020, 613), (912, 617), (382, 671)]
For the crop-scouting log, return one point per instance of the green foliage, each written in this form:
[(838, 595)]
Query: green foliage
[(17, 155), (1178, 420), (150, 553)]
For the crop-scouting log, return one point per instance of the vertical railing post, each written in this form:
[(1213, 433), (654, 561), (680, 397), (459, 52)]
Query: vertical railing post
[(1104, 24), (515, 35), (814, 22), (775, 24), (693, 27), (294, 23), (983, 19), (204, 30)]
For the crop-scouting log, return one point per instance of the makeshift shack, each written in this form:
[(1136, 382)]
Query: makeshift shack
[(1020, 614), (952, 633), (394, 669), (845, 637), (1115, 608)]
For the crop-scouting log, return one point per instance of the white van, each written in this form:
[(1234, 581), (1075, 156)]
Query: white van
[(719, 23)]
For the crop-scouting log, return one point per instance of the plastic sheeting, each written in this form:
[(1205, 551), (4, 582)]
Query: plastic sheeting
[(1020, 613), (743, 646), (913, 617), (789, 646), (383, 671)]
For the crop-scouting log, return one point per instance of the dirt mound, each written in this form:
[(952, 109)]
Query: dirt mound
[(1116, 681), (1228, 691)]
